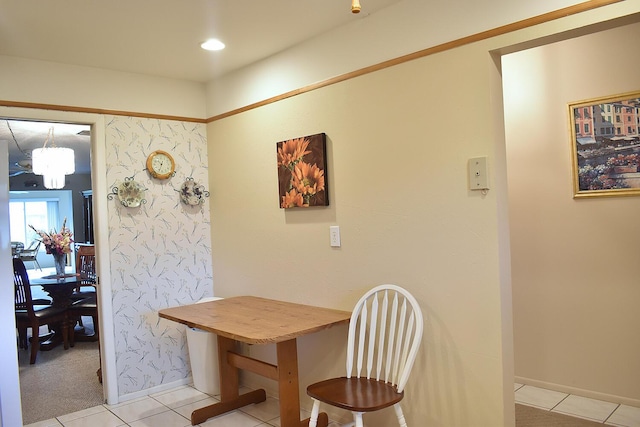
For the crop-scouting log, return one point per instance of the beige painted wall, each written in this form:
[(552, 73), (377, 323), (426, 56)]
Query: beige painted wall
[(575, 281), (398, 145)]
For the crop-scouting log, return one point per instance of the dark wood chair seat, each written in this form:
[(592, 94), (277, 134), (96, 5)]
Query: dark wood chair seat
[(356, 394), (42, 313)]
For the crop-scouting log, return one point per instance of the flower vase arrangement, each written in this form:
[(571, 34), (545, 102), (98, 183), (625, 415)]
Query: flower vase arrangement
[(58, 244)]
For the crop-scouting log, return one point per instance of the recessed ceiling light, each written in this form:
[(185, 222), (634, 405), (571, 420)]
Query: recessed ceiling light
[(212, 44)]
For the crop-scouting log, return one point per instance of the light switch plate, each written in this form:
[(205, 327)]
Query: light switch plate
[(334, 235)]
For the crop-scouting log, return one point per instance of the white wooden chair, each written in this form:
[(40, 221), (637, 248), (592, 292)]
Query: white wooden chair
[(385, 331)]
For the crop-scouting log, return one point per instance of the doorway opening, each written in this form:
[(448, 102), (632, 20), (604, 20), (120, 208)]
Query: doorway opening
[(61, 381)]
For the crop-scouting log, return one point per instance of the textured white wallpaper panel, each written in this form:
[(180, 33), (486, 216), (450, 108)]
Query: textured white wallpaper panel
[(160, 251)]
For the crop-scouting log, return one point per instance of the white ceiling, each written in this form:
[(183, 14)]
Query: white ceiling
[(162, 37), (155, 37)]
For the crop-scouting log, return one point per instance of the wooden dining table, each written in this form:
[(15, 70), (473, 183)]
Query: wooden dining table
[(255, 320)]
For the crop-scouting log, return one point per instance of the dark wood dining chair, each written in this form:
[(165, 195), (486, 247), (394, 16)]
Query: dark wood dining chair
[(85, 302), (85, 297), (385, 332), (29, 315), (86, 264)]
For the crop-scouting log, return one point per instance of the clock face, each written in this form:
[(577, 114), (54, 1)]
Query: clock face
[(160, 164)]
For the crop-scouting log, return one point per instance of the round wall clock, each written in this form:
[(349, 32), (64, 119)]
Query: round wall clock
[(161, 165)]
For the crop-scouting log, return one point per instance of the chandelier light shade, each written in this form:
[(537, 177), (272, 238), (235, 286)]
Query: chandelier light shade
[(53, 163), (355, 6), (54, 182)]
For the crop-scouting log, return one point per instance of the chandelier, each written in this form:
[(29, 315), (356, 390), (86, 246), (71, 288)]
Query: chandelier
[(53, 163), (355, 6)]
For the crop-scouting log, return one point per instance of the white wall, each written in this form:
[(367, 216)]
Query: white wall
[(575, 282), (31, 81), (10, 408)]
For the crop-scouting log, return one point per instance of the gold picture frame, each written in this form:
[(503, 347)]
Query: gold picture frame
[(605, 146)]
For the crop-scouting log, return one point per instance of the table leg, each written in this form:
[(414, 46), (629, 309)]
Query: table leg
[(230, 398), (288, 385), (229, 375)]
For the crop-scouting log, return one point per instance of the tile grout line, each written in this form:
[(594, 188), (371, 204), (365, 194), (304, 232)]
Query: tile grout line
[(618, 405), (561, 400), (612, 412)]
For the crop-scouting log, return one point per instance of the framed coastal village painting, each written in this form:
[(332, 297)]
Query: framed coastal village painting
[(605, 141), (302, 165)]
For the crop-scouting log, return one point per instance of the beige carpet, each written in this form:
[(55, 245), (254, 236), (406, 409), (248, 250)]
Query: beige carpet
[(60, 382), (527, 416)]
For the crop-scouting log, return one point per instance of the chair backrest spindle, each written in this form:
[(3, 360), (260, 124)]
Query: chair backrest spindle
[(361, 341), (372, 336), (384, 335), (383, 331), (399, 341), (391, 339)]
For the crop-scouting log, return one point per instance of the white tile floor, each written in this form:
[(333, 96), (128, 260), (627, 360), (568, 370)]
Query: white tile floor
[(170, 408), (611, 414), (173, 408)]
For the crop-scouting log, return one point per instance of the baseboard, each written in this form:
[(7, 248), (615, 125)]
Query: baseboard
[(152, 390), (579, 392)]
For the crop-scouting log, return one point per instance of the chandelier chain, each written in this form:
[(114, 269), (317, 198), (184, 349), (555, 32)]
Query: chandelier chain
[(28, 155)]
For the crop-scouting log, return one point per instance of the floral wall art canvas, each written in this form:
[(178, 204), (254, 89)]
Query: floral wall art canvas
[(302, 181)]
